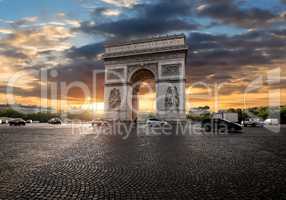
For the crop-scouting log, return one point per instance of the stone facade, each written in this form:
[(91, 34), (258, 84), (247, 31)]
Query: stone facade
[(164, 57)]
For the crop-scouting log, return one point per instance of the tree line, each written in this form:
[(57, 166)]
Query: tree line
[(42, 117)]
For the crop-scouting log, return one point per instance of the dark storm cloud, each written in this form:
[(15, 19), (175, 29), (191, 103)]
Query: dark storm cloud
[(82, 68), (227, 12), (24, 21), (88, 51), (255, 47), (8, 51), (83, 63), (150, 19), (221, 58), (78, 70), (139, 27), (99, 11), (166, 9), (165, 16), (87, 71)]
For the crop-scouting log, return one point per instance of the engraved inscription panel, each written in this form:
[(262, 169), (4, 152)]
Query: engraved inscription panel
[(145, 58), (170, 70), (146, 45)]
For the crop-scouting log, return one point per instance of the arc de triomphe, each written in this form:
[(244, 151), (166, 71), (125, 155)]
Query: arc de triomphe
[(162, 59)]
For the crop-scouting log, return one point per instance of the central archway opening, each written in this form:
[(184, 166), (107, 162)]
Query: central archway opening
[(143, 94)]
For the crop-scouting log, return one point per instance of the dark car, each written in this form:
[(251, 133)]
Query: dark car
[(153, 122), (55, 121), (220, 125), (17, 122)]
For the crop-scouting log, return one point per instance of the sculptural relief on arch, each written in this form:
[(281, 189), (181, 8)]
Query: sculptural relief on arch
[(161, 59)]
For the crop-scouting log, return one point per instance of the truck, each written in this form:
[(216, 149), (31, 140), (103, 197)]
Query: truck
[(228, 116)]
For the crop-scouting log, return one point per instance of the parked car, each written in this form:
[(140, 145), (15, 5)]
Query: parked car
[(55, 121), (271, 122), (252, 123), (220, 125), (4, 121), (153, 122), (17, 122)]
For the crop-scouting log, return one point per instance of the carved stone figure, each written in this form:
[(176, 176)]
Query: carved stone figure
[(172, 99), (114, 99), (176, 98)]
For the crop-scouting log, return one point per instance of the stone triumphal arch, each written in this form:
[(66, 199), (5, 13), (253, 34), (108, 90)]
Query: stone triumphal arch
[(161, 59)]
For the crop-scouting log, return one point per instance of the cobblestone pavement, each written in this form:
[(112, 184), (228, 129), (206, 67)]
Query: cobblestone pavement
[(53, 163)]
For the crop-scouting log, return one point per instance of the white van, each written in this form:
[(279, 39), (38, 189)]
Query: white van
[(271, 122)]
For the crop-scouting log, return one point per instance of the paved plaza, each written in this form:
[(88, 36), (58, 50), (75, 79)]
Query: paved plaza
[(56, 163)]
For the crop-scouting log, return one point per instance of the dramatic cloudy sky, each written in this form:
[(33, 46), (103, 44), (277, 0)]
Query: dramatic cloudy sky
[(233, 42)]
